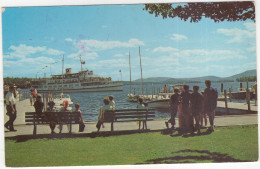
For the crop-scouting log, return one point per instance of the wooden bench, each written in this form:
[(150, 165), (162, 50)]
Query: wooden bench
[(31, 118), (128, 115)]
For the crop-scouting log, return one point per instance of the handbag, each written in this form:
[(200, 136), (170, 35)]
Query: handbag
[(81, 127)]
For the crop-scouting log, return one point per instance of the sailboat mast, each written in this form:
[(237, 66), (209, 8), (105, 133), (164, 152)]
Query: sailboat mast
[(62, 74), (141, 71), (130, 73)]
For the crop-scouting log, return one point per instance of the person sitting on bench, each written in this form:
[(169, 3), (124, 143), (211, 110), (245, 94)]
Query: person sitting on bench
[(101, 113)]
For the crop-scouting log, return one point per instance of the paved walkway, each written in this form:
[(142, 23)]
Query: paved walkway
[(24, 106)]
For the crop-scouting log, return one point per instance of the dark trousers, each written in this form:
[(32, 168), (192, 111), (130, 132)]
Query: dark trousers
[(173, 116), (52, 126), (12, 117)]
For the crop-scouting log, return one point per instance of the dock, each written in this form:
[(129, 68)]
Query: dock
[(224, 120)]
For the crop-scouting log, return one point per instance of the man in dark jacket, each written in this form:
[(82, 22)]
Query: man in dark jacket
[(196, 106), (185, 99), (210, 103), (173, 105)]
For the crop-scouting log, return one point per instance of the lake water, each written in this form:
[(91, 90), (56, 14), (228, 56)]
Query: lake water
[(92, 101)]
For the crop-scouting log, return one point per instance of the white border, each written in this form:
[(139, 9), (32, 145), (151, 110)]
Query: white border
[(23, 3)]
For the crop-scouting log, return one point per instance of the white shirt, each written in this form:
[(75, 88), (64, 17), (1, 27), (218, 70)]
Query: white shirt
[(140, 106), (10, 98), (112, 104)]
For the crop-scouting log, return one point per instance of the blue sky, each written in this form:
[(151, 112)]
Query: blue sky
[(35, 38)]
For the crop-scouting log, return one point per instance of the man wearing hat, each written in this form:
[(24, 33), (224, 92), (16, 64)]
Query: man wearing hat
[(11, 109)]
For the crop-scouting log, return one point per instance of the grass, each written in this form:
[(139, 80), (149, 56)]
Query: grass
[(226, 144)]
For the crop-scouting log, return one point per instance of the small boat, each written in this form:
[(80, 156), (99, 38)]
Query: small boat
[(159, 104), (162, 99), (241, 94), (59, 101)]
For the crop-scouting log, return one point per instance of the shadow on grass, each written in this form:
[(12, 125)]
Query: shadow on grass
[(24, 138), (178, 133), (199, 156)]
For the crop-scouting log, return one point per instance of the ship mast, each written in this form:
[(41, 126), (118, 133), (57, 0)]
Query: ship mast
[(130, 73), (81, 63), (62, 74), (141, 71)]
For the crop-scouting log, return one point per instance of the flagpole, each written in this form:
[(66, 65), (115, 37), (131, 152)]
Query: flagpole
[(81, 62), (141, 71), (121, 74), (62, 74), (130, 73)]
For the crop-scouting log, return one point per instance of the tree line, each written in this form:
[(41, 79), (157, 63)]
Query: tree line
[(247, 78), (22, 83)]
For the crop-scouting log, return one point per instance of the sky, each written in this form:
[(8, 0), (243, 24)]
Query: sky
[(36, 38)]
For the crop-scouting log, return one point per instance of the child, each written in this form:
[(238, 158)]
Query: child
[(101, 113), (38, 105), (173, 105), (112, 103), (79, 115), (140, 106), (50, 115), (196, 106), (65, 108)]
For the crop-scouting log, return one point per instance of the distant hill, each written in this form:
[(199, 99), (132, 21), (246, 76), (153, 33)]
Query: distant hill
[(154, 79), (246, 73), (196, 79)]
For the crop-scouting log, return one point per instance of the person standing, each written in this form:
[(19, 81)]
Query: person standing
[(173, 106), (185, 100), (11, 109), (210, 103), (196, 106), (203, 115)]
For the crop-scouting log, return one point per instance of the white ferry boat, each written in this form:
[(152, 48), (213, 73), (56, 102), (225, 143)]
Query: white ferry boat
[(83, 81)]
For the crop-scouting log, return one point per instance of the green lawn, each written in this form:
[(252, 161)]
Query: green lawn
[(226, 144)]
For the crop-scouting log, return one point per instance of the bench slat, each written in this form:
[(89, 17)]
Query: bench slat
[(130, 117), (127, 110), (133, 113)]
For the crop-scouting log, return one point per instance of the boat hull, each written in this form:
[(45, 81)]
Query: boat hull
[(241, 95), (161, 104), (86, 89)]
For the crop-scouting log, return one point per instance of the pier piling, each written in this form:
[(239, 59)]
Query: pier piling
[(226, 104)]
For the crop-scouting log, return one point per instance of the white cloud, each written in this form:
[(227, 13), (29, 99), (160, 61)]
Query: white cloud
[(84, 56), (23, 51), (53, 52), (69, 40), (250, 26), (195, 55), (201, 55), (178, 37), (118, 55), (239, 35), (96, 45), (113, 63), (252, 49), (28, 64), (165, 49), (104, 26)]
